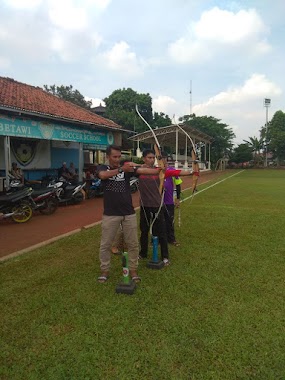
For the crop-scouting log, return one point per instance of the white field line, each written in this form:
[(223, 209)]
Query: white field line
[(188, 188), (214, 184)]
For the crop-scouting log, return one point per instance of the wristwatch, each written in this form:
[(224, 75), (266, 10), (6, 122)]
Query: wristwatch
[(120, 170)]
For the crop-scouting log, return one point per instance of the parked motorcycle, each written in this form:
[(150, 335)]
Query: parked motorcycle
[(16, 205), (68, 193), (45, 200), (95, 188)]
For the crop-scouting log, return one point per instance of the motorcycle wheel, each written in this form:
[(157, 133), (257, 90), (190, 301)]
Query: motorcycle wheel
[(51, 206), (78, 197), (91, 194), (23, 213)]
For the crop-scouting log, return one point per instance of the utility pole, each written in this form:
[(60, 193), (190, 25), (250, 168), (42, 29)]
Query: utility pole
[(266, 104), (190, 93)]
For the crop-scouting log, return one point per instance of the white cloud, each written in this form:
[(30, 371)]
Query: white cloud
[(68, 39), (227, 27), (120, 58), (22, 4), (186, 51), (165, 104), (65, 15), (95, 101), (75, 15), (29, 39), (100, 4), (257, 86), (241, 107), (218, 30), (71, 47)]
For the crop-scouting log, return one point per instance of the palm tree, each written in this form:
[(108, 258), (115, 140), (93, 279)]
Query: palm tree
[(256, 145)]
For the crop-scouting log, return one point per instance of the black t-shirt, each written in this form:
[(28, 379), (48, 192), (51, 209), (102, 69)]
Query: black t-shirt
[(117, 193)]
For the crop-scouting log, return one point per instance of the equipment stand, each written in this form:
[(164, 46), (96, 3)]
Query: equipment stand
[(127, 286), (155, 263)]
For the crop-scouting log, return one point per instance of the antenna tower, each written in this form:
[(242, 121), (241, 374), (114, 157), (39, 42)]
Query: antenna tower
[(190, 93)]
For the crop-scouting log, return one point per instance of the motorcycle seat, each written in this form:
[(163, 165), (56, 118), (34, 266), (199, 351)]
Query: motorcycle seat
[(70, 187), (15, 196), (36, 193)]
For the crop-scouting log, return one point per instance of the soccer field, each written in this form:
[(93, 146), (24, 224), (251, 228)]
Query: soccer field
[(217, 312)]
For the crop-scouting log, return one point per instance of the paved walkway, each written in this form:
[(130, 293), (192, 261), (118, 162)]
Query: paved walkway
[(43, 229)]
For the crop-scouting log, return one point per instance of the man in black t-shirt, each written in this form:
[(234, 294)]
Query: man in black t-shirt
[(118, 209), (64, 172)]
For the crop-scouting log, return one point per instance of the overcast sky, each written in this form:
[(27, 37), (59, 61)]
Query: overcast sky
[(231, 51)]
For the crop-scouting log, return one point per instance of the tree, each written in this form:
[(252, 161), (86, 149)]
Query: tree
[(256, 146), (242, 153), (213, 127), (121, 108), (67, 93), (161, 120), (276, 136)]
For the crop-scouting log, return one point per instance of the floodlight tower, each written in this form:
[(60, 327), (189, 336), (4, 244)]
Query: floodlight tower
[(266, 104)]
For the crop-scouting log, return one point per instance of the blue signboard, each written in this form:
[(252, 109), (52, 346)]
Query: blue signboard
[(48, 131)]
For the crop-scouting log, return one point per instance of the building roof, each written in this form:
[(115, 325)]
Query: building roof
[(99, 109), (20, 97), (167, 135)]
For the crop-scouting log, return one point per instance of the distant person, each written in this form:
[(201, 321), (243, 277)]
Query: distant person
[(64, 172), (169, 204), (17, 172), (73, 171)]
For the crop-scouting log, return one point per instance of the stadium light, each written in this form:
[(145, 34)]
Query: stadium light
[(266, 103)]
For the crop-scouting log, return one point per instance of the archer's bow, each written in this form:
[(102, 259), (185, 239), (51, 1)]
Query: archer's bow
[(194, 156), (195, 169), (160, 162), (157, 150)]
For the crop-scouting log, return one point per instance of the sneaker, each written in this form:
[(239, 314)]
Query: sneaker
[(166, 262)]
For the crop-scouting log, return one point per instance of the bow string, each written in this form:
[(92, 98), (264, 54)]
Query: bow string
[(160, 162), (157, 150), (194, 157)]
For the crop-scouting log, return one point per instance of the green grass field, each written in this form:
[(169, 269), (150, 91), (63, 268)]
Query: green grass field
[(217, 312)]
